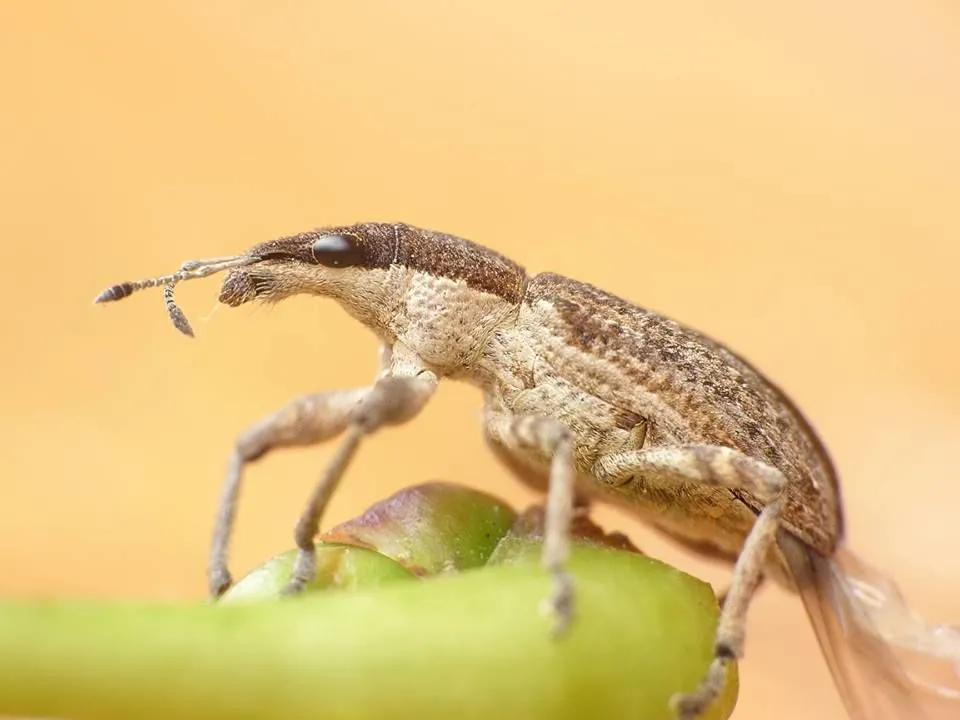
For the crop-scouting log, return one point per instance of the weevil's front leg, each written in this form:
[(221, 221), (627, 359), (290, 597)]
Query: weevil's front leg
[(310, 420), (385, 360), (544, 437), (712, 466)]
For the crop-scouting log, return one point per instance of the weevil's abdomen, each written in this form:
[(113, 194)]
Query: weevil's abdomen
[(691, 389)]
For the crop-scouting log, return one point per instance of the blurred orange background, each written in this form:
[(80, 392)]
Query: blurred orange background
[(784, 176)]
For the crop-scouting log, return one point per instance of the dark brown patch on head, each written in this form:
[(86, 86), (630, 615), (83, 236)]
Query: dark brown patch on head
[(436, 253), (376, 241), (458, 259)]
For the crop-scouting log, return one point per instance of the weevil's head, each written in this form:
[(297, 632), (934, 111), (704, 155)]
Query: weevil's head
[(351, 264)]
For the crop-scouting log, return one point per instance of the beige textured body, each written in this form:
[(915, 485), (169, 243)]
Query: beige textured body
[(623, 378)]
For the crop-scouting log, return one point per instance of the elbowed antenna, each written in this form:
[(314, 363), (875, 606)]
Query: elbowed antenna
[(190, 270)]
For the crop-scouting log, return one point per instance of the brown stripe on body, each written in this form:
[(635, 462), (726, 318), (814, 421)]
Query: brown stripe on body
[(447, 256)]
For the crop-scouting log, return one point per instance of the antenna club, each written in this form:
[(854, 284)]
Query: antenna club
[(114, 293), (181, 323), (177, 316)]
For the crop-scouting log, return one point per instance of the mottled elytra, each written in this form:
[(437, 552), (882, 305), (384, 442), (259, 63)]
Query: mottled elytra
[(588, 396)]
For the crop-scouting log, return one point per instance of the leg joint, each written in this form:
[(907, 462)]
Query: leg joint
[(725, 651), (540, 431)]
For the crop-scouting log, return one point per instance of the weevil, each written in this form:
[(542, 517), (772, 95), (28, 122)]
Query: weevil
[(588, 397)]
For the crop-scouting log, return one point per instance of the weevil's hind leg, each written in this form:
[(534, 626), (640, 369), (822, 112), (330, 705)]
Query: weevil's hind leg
[(720, 466), (307, 421), (723, 594), (549, 439)]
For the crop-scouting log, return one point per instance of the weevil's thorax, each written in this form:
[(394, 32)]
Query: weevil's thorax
[(455, 295)]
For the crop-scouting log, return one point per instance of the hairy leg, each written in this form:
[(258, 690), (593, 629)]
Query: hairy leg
[(724, 467), (309, 420), (549, 439)]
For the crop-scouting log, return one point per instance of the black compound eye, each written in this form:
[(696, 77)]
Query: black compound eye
[(337, 251)]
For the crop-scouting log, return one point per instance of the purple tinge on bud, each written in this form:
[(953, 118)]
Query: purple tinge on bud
[(237, 289)]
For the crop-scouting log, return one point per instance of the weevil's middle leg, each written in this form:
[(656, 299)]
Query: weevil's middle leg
[(548, 438), (307, 421), (728, 468)]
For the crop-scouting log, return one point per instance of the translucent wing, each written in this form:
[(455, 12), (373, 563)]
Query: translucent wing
[(887, 663)]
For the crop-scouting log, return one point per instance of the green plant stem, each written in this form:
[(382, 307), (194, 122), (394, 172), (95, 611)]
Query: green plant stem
[(469, 645)]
